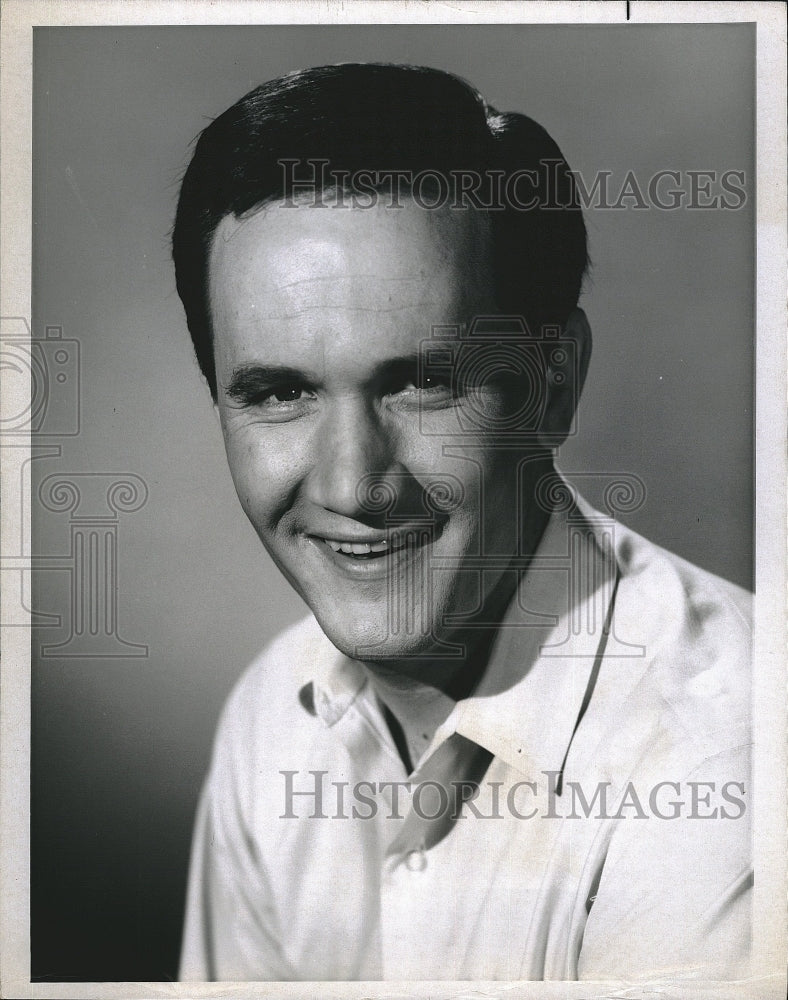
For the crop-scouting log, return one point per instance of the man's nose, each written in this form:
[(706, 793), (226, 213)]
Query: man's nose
[(352, 450)]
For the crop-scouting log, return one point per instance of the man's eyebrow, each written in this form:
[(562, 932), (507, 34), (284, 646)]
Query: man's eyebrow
[(249, 379)]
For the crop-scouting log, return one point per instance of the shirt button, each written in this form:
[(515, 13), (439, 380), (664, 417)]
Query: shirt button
[(416, 861)]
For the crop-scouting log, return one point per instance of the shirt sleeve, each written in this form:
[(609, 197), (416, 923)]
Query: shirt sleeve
[(230, 929), (674, 899)]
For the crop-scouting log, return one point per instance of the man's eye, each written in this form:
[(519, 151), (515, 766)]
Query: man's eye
[(285, 401), (426, 383), (284, 394), (424, 390)]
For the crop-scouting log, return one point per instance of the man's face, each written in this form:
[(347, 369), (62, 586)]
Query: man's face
[(335, 444)]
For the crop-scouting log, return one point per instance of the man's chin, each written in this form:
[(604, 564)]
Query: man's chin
[(376, 641)]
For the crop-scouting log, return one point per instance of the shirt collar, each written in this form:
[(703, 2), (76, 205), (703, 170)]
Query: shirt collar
[(527, 704), (330, 681), (529, 700)]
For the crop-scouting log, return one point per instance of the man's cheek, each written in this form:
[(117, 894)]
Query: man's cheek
[(253, 482)]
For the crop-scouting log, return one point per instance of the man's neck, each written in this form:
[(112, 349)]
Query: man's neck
[(418, 695), (413, 711)]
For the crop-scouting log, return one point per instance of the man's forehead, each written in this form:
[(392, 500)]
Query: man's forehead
[(348, 289), (307, 250)]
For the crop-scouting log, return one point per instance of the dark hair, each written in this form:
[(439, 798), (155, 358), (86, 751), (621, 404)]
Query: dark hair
[(379, 118)]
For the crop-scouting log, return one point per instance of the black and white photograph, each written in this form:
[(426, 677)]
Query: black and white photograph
[(393, 452)]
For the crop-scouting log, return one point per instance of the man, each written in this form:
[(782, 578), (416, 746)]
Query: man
[(510, 741)]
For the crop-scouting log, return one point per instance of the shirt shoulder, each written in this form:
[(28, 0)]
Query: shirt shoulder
[(692, 632), (268, 703), (680, 583)]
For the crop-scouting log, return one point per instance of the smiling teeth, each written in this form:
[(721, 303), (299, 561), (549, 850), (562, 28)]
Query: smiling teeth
[(357, 548)]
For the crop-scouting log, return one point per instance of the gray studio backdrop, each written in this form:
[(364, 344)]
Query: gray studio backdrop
[(122, 724)]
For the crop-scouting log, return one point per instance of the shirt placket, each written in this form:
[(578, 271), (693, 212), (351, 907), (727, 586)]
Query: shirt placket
[(416, 887)]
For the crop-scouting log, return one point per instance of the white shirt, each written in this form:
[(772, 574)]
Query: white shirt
[(617, 669)]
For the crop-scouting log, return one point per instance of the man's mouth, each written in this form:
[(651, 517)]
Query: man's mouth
[(381, 549)]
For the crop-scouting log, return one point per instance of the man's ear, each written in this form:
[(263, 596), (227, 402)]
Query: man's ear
[(567, 365)]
